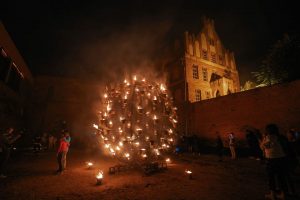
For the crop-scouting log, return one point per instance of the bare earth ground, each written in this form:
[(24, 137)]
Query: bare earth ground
[(32, 177)]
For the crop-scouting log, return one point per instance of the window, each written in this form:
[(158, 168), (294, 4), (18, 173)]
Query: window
[(211, 42), (198, 95), (204, 54), (221, 60), (195, 72), (207, 94), (204, 72), (213, 58)]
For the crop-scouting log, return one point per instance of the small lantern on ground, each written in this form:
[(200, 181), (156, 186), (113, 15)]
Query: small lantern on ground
[(99, 178), (189, 173), (89, 165)]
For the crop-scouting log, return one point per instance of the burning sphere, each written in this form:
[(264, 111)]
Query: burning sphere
[(137, 121)]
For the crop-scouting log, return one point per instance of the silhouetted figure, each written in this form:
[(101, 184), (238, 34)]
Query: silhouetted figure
[(195, 144), (6, 141), (232, 145), (37, 144), (253, 144), (220, 147), (276, 161)]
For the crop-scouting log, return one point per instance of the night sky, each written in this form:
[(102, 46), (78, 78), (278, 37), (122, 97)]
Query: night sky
[(68, 38)]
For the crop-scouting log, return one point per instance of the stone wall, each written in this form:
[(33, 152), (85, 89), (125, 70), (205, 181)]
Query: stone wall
[(255, 108)]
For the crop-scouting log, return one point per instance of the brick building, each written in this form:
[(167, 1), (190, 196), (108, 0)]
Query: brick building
[(200, 67)]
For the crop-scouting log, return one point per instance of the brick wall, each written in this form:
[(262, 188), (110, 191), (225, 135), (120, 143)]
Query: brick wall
[(278, 104)]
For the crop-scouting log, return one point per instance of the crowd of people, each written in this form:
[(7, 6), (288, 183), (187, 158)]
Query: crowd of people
[(41, 142), (279, 153)]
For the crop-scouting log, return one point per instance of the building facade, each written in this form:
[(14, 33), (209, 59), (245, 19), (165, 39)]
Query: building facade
[(15, 83), (203, 68), (199, 67)]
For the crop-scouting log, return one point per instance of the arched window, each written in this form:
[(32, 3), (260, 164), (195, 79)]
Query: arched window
[(218, 93)]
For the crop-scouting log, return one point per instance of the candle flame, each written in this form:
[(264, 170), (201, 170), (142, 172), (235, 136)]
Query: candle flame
[(95, 126)]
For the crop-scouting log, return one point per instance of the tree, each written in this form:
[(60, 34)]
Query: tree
[(281, 64)]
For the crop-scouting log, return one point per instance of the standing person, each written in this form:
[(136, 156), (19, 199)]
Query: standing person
[(51, 142), (253, 143), (220, 147), (45, 140), (232, 145), (68, 140), (6, 141), (62, 153), (276, 161)]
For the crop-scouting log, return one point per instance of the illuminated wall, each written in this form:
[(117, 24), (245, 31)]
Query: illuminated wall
[(253, 108)]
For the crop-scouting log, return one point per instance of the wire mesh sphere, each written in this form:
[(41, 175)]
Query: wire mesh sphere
[(137, 121)]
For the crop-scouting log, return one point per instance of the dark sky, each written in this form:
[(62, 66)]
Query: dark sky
[(94, 39)]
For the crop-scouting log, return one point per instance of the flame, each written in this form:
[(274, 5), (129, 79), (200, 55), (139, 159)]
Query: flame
[(168, 160), (89, 164), (154, 117), (188, 171), (144, 155), (100, 175), (121, 144), (105, 95), (95, 126), (112, 150), (127, 155), (157, 152), (120, 130), (134, 77), (162, 88), (108, 107)]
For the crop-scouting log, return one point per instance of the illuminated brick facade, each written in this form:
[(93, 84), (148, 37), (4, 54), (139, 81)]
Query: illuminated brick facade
[(205, 69)]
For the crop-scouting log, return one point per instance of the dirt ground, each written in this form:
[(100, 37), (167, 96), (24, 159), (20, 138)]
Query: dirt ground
[(33, 177)]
